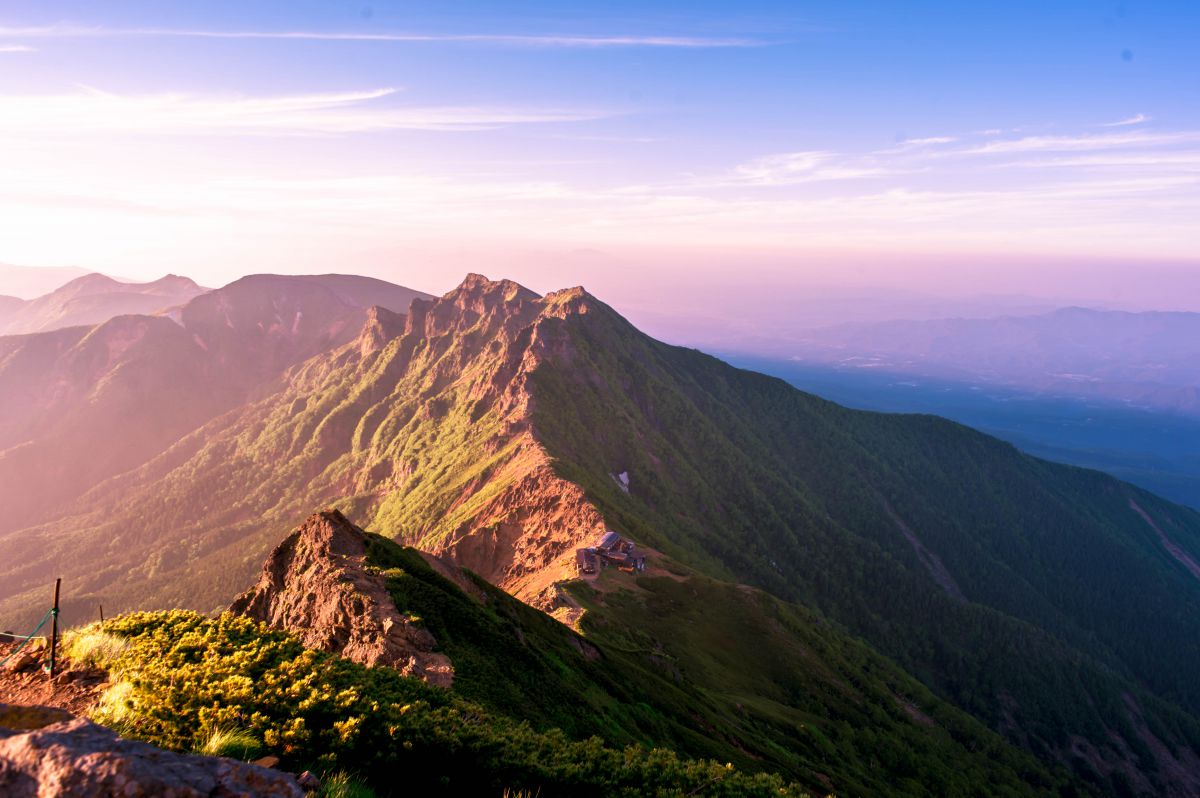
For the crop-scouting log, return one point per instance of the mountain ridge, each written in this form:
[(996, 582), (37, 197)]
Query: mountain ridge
[(475, 432)]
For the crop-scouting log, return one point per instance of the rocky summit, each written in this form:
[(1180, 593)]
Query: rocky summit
[(317, 584)]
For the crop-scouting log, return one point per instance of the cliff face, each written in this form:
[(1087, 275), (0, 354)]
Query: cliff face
[(470, 356), (316, 584)]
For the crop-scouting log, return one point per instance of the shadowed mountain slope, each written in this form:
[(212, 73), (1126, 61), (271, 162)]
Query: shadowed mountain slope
[(491, 426)]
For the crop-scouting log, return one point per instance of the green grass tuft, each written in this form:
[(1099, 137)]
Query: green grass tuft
[(231, 743), (343, 785), (92, 647)]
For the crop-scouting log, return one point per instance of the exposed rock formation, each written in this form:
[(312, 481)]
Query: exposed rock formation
[(46, 753), (316, 585)]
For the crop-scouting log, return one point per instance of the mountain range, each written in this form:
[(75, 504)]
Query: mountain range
[(81, 404), (805, 561), (92, 299)]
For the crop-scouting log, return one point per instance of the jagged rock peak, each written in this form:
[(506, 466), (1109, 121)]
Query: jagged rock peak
[(570, 301), (479, 293), (381, 326), (317, 585)]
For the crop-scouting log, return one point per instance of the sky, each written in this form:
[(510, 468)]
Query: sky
[(647, 149)]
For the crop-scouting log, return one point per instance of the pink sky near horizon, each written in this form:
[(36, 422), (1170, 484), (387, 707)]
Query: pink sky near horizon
[(652, 168)]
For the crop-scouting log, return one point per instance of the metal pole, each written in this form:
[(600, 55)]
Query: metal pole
[(101, 614), (54, 627)]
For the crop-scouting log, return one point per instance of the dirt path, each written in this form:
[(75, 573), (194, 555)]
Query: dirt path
[(76, 691)]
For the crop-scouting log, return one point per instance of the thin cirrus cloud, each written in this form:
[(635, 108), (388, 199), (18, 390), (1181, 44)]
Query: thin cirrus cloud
[(942, 159), (1183, 159), (792, 168), (1085, 142), (518, 40), (1136, 119), (17, 48), (100, 112)]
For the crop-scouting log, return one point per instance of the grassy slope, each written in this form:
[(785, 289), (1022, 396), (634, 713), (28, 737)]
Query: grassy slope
[(1074, 601), (715, 671)]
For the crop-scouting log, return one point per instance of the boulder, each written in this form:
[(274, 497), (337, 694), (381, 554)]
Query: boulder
[(74, 758), (22, 661)]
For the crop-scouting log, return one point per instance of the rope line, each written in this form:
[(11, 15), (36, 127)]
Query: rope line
[(22, 637), (32, 635)]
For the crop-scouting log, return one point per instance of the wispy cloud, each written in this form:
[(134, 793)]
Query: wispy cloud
[(913, 145), (94, 111), (1185, 159), (1136, 119), (518, 40), (1104, 141), (791, 168), (925, 142), (17, 48)]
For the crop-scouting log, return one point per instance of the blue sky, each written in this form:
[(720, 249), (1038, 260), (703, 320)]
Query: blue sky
[(415, 140)]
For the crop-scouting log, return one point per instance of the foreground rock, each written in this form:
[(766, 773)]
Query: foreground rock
[(316, 585), (46, 753)]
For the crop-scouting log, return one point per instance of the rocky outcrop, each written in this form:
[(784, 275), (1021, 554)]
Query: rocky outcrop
[(317, 585), (47, 753)]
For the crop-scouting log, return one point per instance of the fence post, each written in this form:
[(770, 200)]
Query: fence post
[(54, 627)]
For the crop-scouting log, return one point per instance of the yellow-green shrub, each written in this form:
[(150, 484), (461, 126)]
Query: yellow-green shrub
[(188, 675)]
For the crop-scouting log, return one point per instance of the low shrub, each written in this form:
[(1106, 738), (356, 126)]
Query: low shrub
[(183, 675)]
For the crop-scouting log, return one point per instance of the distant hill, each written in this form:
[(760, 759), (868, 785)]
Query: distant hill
[(95, 298), (1147, 359), (82, 404), (28, 282), (504, 430)]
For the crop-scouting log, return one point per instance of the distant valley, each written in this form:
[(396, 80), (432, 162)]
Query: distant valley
[(1148, 360), (1157, 450)]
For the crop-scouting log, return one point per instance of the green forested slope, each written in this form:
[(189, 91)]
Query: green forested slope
[(712, 670), (1062, 608)]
